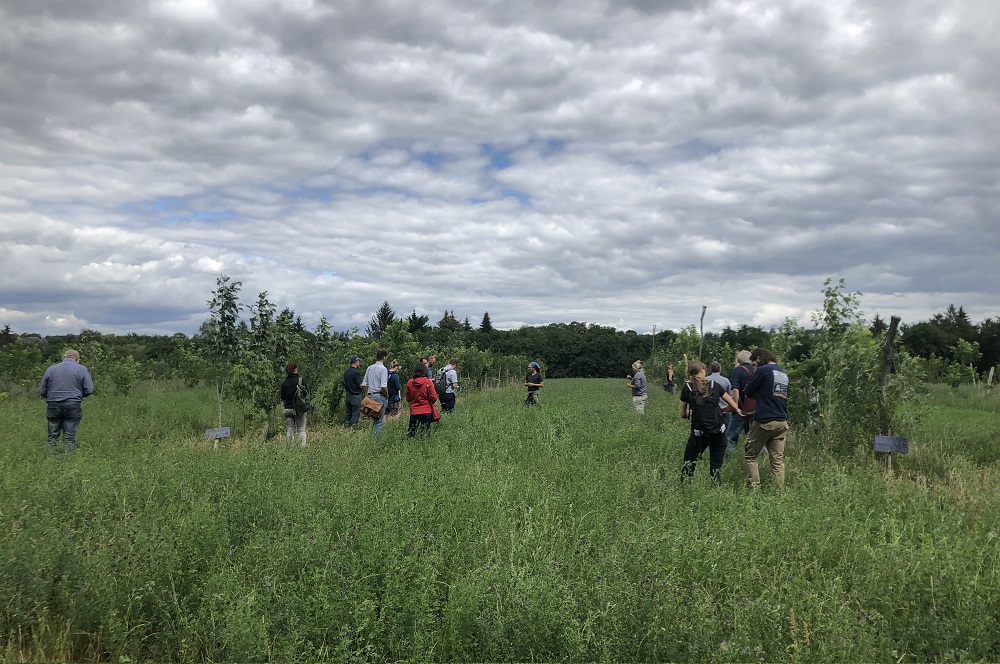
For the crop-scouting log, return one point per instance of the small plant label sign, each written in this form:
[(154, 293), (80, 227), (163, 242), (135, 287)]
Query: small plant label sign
[(892, 445), (212, 434)]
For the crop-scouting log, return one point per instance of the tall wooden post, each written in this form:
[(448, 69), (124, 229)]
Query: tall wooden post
[(885, 414), (701, 343), (890, 338)]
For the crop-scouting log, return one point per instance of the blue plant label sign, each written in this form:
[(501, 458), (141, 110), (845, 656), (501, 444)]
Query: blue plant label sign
[(221, 432), (892, 444)]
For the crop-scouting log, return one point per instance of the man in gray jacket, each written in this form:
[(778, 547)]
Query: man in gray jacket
[(63, 387)]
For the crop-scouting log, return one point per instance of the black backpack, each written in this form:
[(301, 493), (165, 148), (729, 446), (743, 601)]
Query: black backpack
[(705, 414), (300, 402), (441, 381)]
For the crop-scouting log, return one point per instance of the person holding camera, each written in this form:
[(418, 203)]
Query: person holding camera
[(533, 381), (637, 383)]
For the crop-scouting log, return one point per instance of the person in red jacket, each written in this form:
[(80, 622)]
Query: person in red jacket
[(421, 395)]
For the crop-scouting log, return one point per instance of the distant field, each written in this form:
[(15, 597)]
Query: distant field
[(553, 533)]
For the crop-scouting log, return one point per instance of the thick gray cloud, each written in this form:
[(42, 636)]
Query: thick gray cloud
[(621, 163)]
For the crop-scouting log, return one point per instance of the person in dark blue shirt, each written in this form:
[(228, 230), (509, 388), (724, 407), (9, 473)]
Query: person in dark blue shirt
[(393, 407), (738, 379), (769, 386), (63, 387), (352, 393)]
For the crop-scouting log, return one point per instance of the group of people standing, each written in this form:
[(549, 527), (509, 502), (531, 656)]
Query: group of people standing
[(754, 399), (384, 385)]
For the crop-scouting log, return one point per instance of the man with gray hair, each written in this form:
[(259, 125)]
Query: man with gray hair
[(738, 379), (716, 377), (63, 387)]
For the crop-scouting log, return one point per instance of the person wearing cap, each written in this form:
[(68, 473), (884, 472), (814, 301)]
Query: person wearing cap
[(352, 393), (451, 377), (64, 387), (533, 381), (637, 383)]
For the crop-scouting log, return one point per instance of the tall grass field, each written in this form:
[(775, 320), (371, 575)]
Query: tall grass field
[(555, 533)]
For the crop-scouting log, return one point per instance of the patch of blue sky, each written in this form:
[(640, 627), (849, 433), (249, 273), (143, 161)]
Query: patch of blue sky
[(520, 196), (432, 159), (499, 159), (155, 207), (170, 204), (697, 148), (552, 147), (327, 273), (317, 193), (206, 215)]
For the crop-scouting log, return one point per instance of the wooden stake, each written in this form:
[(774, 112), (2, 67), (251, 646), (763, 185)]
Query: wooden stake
[(701, 343), (890, 337)]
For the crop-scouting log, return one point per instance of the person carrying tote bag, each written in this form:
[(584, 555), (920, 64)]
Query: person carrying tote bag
[(421, 395)]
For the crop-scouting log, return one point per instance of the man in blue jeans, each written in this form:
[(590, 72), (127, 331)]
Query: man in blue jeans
[(376, 383), (738, 379), (63, 387)]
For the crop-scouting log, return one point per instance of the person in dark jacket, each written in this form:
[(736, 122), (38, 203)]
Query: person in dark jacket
[(395, 387), (769, 386), (64, 387), (352, 393), (294, 424)]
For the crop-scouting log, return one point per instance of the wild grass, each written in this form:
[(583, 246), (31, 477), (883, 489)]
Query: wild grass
[(553, 533)]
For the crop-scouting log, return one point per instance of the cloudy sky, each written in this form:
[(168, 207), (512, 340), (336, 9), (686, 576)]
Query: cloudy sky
[(617, 162)]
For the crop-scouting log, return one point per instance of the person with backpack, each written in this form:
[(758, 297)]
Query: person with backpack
[(421, 395), (700, 403), (448, 379), (294, 395), (738, 379), (769, 386), (392, 409)]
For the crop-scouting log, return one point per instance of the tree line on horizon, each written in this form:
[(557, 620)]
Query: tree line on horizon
[(951, 345)]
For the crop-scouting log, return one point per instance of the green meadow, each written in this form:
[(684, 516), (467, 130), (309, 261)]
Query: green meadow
[(557, 533)]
